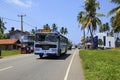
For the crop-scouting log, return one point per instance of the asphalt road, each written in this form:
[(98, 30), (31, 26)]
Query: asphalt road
[(30, 67)]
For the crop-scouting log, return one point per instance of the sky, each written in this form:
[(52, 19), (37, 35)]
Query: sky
[(40, 12)]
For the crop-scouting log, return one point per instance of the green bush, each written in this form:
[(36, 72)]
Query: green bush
[(101, 64)]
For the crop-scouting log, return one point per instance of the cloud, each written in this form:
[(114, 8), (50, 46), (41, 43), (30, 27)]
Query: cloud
[(26, 4)]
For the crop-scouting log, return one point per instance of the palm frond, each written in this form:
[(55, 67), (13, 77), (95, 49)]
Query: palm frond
[(100, 14), (86, 23), (114, 10), (98, 21), (116, 1)]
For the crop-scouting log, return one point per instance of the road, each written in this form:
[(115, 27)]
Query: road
[(30, 67)]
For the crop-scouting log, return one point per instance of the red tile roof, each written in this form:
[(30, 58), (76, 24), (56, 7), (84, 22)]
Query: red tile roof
[(8, 41)]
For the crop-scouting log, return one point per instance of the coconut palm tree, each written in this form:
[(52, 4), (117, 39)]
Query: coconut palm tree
[(2, 28), (105, 27), (54, 27), (65, 31), (62, 30), (116, 18), (89, 18), (115, 27), (46, 27)]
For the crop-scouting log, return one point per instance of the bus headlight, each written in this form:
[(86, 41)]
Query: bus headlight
[(37, 49)]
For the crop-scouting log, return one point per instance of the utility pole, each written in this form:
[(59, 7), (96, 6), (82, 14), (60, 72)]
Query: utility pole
[(21, 21), (21, 29)]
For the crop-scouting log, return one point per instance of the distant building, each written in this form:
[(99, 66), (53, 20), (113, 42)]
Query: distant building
[(108, 41)]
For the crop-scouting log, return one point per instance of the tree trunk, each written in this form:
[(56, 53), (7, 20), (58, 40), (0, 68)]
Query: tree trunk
[(91, 36), (84, 38)]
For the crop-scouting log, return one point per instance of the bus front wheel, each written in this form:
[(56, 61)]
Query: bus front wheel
[(41, 55)]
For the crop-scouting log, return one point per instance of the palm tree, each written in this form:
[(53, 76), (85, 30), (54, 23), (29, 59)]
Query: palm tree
[(65, 31), (54, 27), (115, 27), (89, 18), (33, 31), (80, 19), (116, 18), (62, 30), (105, 27), (2, 28), (46, 27)]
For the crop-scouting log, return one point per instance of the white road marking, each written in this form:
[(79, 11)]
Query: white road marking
[(68, 69), (6, 68)]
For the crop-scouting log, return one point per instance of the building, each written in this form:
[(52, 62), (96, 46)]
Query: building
[(9, 44), (108, 41), (25, 38), (18, 34)]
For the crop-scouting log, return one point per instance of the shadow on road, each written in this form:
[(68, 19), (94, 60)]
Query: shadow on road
[(62, 57)]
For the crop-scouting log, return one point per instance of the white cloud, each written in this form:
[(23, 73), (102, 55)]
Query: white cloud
[(26, 4)]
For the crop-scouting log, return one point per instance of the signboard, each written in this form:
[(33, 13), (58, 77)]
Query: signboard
[(43, 30)]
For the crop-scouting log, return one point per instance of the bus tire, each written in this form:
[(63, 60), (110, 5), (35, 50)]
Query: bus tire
[(65, 51), (41, 56), (59, 52)]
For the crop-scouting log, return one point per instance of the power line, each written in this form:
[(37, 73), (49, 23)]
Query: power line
[(28, 24), (17, 21), (11, 19)]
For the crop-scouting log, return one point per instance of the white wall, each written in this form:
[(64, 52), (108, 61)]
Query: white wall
[(108, 38), (112, 40)]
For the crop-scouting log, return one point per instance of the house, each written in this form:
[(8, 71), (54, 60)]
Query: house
[(18, 34), (9, 44), (25, 38), (108, 41)]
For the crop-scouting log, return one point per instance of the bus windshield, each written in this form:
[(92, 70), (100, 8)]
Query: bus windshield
[(51, 37)]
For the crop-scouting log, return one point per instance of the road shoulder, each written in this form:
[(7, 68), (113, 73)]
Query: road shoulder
[(76, 71)]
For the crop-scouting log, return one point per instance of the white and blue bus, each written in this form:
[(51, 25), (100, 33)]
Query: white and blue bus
[(49, 43)]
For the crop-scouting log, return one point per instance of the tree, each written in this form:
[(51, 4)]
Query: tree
[(115, 27), (100, 42), (33, 31), (12, 29), (54, 27), (2, 28), (46, 27), (62, 30), (65, 31), (89, 18), (105, 27), (116, 18)]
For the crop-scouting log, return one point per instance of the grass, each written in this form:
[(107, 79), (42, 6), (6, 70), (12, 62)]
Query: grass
[(10, 52), (101, 64)]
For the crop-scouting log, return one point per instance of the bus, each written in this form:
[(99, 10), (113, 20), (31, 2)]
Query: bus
[(49, 42)]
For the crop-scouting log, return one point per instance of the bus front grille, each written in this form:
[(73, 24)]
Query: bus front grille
[(45, 47)]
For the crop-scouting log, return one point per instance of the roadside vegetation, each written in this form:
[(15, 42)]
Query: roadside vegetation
[(101, 64), (5, 53)]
